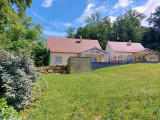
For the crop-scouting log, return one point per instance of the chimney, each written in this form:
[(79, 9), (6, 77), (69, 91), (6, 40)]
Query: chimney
[(80, 38), (130, 42)]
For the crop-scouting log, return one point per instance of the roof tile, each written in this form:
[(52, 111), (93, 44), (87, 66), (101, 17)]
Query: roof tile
[(124, 47), (68, 45)]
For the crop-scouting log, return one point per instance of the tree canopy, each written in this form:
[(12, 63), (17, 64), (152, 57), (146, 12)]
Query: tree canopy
[(124, 28), (18, 33)]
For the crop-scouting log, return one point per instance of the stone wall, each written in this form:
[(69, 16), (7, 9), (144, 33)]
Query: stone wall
[(79, 65), (57, 69)]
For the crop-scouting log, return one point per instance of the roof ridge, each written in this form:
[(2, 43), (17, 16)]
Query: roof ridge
[(70, 38), (123, 42)]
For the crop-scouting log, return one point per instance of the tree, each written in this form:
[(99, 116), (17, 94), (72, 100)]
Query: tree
[(154, 19), (24, 36), (96, 29), (151, 37), (94, 20), (7, 11), (47, 57), (128, 27), (70, 32), (21, 4), (84, 31)]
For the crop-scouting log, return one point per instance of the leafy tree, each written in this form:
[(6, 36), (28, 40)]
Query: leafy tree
[(96, 29), (151, 37), (8, 14), (125, 28), (38, 54), (47, 58), (84, 31), (154, 19), (70, 32), (24, 36), (128, 27), (94, 20), (21, 4)]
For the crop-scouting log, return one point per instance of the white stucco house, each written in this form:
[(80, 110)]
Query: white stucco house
[(122, 50), (63, 48)]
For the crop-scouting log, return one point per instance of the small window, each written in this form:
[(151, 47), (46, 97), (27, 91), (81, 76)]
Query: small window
[(93, 59), (58, 59)]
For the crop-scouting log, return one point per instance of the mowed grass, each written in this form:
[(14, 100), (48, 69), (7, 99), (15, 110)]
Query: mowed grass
[(122, 92)]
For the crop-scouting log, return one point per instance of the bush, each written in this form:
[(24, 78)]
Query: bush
[(47, 58), (17, 77), (8, 113)]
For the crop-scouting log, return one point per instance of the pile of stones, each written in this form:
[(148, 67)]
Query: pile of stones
[(57, 69)]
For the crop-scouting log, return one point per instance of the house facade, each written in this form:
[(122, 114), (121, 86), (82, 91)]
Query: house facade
[(122, 50), (63, 48)]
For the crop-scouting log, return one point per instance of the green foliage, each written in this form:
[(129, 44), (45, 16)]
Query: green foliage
[(96, 29), (8, 113), (70, 32), (38, 53), (17, 77), (21, 4), (47, 57), (155, 19), (126, 92), (141, 54), (18, 32), (125, 28), (151, 37), (128, 27)]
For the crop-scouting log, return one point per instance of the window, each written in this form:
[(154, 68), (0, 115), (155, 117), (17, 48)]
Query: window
[(58, 59), (93, 59)]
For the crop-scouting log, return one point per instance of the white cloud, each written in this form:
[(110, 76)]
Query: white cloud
[(39, 17), (90, 9), (67, 24), (112, 18), (47, 3), (55, 24), (123, 4), (147, 9), (60, 24), (53, 33)]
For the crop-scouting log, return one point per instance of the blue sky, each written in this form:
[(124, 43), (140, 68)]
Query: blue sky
[(57, 15)]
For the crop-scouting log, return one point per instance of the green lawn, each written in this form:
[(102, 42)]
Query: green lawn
[(122, 92)]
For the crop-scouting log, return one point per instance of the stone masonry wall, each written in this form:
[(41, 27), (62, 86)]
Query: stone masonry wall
[(57, 69), (79, 65)]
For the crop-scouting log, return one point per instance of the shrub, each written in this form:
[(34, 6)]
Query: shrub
[(47, 57), (17, 77), (8, 113)]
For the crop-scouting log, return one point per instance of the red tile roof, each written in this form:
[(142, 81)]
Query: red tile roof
[(68, 45), (124, 47)]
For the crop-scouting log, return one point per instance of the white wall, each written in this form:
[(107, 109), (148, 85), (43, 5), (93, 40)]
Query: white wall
[(112, 54), (64, 56), (109, 53)]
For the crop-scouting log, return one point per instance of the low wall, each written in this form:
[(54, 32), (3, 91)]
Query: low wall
[(98, 65), (79, 65), (57, 69)]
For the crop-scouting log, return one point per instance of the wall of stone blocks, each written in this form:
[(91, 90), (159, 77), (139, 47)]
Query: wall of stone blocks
[(54, 69), (79, 65)]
